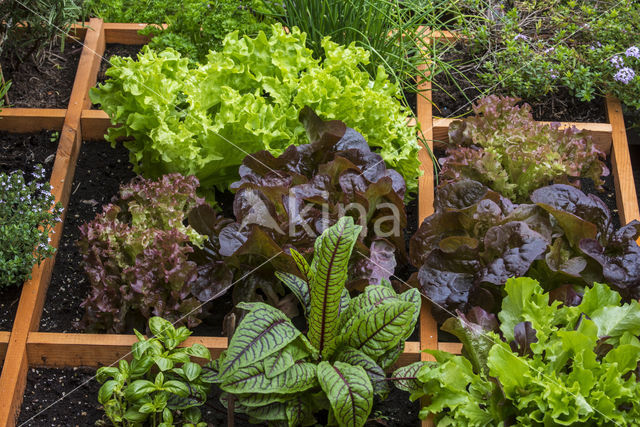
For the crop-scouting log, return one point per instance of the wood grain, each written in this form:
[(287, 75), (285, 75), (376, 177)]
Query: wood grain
[(451, 347), (14, 371), (600, 132), (59, 350), (621, 163), (428, 325), (27, 120), (125, 33), (94, 125), (4, 341)]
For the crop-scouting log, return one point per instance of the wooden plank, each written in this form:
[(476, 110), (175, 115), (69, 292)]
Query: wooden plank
[(428, 325), (58, 350), (449, 36), (14, 371), (600, 132), (4, 341), (27, 120), (621, 163), (70, 350), (125, 33), (451, 347), (94, 125), (90, 78)]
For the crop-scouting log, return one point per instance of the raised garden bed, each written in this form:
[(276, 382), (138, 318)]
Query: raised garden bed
[(30, 348), (43, 85), (46, 386), (451, 95)]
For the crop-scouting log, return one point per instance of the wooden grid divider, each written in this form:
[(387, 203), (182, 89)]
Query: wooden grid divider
[(621, 164), (4, 342), (15, 367), (25, 346)]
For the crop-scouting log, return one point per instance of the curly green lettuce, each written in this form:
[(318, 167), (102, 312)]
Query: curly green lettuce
[(247, 98), (548, 364)]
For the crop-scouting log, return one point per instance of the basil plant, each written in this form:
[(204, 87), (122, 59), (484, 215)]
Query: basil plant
[(162, 386), (274, 373)]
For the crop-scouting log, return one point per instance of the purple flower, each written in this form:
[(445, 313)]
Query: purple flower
[(549, 50), (521, 37), (625, 75), (633, 51), (616, 61)]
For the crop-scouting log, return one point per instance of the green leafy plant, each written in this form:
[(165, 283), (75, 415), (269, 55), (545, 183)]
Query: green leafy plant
[(275, 373), (28, 214), (4, 88), (29, 28), (193, 27), (137, 257), (589, 49), (477, 239), (505, 149), (161, 386), (548, 364), (391, 30), (247, 98)]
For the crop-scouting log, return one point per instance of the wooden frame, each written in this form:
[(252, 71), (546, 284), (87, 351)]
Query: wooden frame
[(15, 367), (27, 120), (24, 346)]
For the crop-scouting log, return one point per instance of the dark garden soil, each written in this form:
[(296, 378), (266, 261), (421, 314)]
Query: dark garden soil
[(79, 406), (45, 386), (453, 101), (99, 173), (412, 100), (23, 152), (46, 85), (634, 150), (397, 411), (9, 299)]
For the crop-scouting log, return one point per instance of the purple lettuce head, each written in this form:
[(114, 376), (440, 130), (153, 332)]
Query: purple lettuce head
[(137, 256), (477, 239), (287, 201)]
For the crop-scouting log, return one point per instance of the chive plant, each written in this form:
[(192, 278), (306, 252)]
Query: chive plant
[(391, 30)]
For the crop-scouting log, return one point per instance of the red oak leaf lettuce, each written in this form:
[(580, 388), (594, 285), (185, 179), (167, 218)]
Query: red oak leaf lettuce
[(287, 201), (137, 255), (504, 148)]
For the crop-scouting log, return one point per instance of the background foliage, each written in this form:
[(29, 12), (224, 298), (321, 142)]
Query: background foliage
[(392, 31), (194, 27), (43, 22), (588, 48)]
